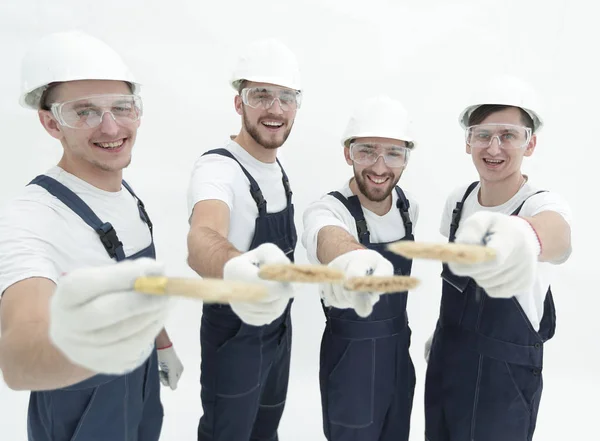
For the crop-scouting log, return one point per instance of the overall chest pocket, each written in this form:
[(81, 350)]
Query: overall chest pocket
[(454, 297)]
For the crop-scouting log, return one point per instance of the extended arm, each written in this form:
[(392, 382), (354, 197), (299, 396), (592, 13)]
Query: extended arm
[(28, 359), (208, 247)]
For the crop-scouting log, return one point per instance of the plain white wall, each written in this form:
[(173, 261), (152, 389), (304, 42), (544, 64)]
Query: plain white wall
[(428, 54)]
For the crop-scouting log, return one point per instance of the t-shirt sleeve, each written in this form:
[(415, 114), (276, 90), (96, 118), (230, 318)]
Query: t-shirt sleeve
[(25, 241), (549, 201), (327, 211), (213, 178)]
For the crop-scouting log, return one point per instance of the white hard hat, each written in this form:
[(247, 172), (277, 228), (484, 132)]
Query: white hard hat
[(379, 116), (507, 91), (69, 56), (267, 61)]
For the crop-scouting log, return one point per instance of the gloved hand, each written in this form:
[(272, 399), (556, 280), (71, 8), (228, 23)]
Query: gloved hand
[(517, 249), (428, 348), (356, 263), (100, 323), (169, 367), (244, 268)]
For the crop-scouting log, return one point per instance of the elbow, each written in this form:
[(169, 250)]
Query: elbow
[(10, 374), (192, 259), (12, 381)]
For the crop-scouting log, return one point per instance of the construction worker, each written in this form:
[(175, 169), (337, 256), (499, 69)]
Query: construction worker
[(73, 241), (241, 216), (367, 377), (484, 375)]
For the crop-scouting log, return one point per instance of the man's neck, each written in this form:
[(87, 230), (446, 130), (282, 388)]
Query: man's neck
[(379, 208), (494, 193), (104, 180), (256, 150)]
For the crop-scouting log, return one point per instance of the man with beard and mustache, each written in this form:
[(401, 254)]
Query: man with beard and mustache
[(484, 373), (366, 373), (74, 331), (241, 216)]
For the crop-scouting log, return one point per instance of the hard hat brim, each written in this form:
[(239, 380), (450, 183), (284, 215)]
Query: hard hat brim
[(464, 116)]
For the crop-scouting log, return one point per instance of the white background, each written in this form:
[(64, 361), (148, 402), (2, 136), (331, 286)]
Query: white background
[(427, 54)]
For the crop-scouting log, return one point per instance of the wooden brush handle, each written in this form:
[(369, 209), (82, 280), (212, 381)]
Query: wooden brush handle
[(381, 284), (300, 273), (443, 252), (207, 290), (324, 274)]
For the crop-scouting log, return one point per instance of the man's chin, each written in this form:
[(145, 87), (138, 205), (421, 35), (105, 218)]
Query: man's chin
[(272, 143), (115, 166), (377, 196)]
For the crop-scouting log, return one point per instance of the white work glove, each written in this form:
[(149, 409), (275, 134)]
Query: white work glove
[(244, 268), (428, 348), (517, 247), (357, 263), (100, 323), (169, 367)]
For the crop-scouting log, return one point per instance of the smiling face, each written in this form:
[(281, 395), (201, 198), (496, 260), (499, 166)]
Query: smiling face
[(495, 164), (270, 127), (106, 147), (377, 181)]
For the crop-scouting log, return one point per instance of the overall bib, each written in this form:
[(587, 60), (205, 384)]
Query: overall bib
[(367, 377), (245, 369), (103, 407), (484, 376)]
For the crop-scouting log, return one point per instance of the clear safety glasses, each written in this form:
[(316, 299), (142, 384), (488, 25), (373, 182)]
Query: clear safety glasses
[(368, 154), (264, 97), (509, 136), (88, 112)]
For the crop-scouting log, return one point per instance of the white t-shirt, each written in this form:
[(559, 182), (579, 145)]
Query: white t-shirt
[(216, 177), (532, 302), (42, 237), (328, 211)]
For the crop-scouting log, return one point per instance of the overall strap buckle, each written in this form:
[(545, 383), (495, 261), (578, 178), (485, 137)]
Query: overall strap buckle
[(109, 239)]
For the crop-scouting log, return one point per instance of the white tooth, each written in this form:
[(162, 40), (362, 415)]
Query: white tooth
[(110, 144)]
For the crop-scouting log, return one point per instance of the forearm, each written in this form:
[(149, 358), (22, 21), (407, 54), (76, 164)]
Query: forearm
[(333, 242), (554, 234), (29, 361), (209, 251)]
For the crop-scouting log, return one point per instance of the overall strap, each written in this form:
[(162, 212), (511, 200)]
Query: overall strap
[(403, 205), (353, 206), (255, 190), (457, 212), (142, 209), (105, 230), (518, 210), (286, 184)]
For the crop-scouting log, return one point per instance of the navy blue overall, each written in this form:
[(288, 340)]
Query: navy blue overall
[(245, 369), (367, 376), (103, 407), (484, 376)]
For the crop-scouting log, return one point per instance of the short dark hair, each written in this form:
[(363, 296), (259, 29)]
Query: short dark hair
[(482, 112)]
